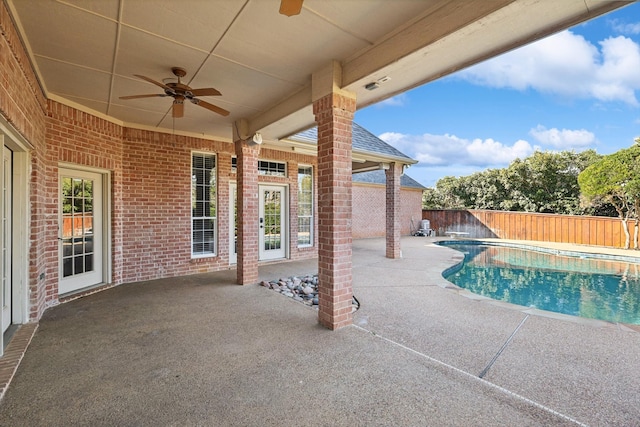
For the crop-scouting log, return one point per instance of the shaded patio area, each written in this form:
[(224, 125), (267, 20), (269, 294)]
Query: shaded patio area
[(201, 350)]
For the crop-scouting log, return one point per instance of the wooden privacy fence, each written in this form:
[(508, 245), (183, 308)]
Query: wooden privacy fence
[(582, 230)]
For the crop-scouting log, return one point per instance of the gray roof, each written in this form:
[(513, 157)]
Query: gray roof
[(379, 177), (362, 141)]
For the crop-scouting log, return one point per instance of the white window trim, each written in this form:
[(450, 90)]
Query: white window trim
[(215, 226), (265, 173), (312, 217)]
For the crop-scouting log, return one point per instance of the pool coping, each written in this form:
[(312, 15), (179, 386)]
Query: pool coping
[(598, 323)]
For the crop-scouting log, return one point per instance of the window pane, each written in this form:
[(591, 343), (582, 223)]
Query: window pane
[(67, 267), (305, 205), (78, 187), (78, 205), (88, 244), (67, 189), (67, 226), (78, 265), (203, 204), (67, 205), (67, 247), (272, 168)]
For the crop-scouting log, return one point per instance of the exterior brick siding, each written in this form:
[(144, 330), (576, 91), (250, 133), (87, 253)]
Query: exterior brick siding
[(369, 210), (23, 105)]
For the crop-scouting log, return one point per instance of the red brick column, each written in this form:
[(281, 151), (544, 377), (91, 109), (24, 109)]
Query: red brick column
[(247, 176), (394, 226), (334, 115)]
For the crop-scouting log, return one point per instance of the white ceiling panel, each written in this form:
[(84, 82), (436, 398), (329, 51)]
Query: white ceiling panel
[(196, 23), (200, 121), (240, 85), (107, 9), (148, 55), (364, 20), (158, 105), (100, 107), (53, 34), (135, 115), (290, 48), (70, 80)]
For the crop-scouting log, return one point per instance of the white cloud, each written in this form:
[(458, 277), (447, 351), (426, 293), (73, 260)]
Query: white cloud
[(565, 139), (568, 65), (625, 28), (395, 101), (441, 150)]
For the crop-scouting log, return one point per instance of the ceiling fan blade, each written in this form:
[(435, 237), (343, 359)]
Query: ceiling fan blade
[(142, 96), (290, 7), (177, 109), (205, 92), (162, 85), (210, 107)]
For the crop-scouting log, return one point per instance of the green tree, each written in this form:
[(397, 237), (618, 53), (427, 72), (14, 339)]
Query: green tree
[(432, 199), (547, 182), (543, 182), (615, 178)]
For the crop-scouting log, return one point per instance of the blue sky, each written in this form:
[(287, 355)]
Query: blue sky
[(575, 90)]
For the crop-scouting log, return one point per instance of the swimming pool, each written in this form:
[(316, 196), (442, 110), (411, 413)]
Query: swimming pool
[(593, 288)]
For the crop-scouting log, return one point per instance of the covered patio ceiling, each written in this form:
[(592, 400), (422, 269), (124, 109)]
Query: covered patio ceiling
[(86, 52)]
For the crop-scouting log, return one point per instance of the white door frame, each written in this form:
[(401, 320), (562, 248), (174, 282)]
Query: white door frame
[(103, 178), (21, 222), (283, 251), (6, 223)]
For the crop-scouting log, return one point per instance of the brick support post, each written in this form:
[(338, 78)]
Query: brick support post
[(334, 115), (248, 206), (393, 216)]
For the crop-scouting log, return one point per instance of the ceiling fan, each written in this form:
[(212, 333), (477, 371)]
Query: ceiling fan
[(290, 7), (180, 91)]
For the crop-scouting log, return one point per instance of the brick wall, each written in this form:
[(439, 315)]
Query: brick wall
[(23, 105), (369, 210), (82, 139), (151, 190)]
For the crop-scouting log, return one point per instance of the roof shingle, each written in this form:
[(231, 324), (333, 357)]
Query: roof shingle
[(361, 139), (379, 177)]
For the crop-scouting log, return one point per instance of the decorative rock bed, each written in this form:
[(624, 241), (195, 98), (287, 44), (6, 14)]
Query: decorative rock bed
[(301, 289)]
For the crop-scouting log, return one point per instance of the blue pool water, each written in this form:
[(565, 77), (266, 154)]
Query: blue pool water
[(585, 287)]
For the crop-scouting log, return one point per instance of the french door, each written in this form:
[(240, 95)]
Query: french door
[(272, 233), (81, 230)]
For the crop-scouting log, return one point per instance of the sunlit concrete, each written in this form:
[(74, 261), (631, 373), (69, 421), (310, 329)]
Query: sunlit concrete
[(201, 350)]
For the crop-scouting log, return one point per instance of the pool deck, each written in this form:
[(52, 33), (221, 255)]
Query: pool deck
[(201, 351)]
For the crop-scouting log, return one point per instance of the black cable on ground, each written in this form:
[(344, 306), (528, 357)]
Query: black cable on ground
[(355, 302)]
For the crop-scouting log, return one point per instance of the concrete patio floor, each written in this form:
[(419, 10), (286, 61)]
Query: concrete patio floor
[(202, 351)]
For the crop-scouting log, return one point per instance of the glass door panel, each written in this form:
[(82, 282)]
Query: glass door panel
[(272, 231), (81, 219)]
